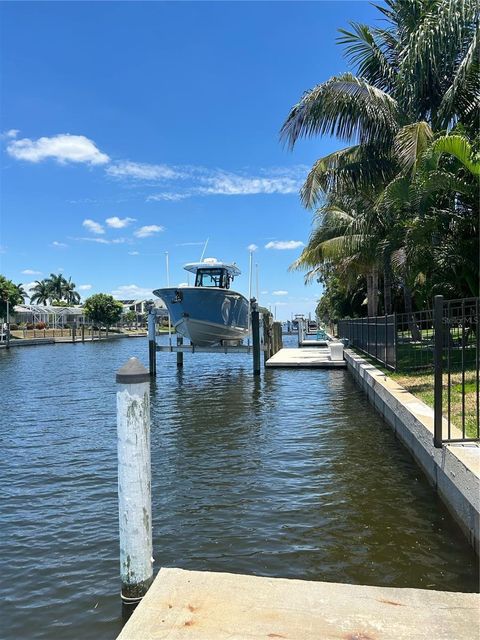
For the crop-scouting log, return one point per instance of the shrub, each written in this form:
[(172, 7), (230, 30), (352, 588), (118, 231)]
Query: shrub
[(40, 325)]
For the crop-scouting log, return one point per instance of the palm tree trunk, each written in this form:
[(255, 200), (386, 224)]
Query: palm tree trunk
[(375, 290), (370, 294), (387, 287), (412, 325)]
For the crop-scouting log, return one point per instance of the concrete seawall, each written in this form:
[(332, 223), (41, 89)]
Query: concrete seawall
[(454, 470)]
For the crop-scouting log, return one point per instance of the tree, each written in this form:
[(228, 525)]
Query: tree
[(415, 77), (102, 308), (41, 292), (56, 284), (8, 292), (71, 296), (21, 291)]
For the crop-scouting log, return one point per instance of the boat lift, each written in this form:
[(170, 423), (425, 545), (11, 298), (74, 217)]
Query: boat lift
[(266, 338)]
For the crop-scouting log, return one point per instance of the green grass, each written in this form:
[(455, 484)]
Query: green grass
[(420, 384)]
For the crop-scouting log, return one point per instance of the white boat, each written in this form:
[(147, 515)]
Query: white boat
[(209, 313)]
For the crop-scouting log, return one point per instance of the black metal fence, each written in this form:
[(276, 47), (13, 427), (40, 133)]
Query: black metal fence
[(456, 370), (442, 342), (374, 336)]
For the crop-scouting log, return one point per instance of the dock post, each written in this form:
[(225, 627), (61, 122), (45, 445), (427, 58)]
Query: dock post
[(179, 353), (152, 344), (134, 480), (255, 337), (83, 333)]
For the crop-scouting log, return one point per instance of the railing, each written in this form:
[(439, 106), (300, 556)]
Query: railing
[(443, 341), (375, 336), (456, 370)]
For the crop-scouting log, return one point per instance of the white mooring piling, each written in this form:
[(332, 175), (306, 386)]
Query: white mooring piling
[(134, 480)]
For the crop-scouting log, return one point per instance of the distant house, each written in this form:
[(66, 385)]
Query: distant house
[(141, 307), (51, 315)]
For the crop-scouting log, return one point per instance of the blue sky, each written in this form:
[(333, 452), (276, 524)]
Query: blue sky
[(132, 129)]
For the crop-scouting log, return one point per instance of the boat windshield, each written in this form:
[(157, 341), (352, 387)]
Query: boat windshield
[(212, 278)]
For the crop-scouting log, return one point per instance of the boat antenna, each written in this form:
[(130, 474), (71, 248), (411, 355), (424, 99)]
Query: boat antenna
[(256, 274), (204, 249)]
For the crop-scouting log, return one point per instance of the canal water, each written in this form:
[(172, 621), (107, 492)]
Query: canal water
[(293, 475)]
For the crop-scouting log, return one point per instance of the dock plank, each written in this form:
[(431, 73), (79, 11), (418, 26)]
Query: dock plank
[(216, 606), (307, 357)]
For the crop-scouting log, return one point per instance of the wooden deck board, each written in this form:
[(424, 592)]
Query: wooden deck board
[(308, 357)]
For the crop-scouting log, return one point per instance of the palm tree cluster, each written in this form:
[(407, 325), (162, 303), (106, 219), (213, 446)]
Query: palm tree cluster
[(397, 210), (56, 288)]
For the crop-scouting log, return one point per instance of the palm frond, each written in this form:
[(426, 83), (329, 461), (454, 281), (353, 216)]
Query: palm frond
[(365, 53), (458, 146), (352, 168), (410, 143), (345, 106), (464, 86)]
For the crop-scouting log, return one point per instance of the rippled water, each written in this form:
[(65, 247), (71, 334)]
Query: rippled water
[(293, 475)]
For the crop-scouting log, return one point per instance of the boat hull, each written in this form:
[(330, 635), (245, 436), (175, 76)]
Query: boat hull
[(207, 316)]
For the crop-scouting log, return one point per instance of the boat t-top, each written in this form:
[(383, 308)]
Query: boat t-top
[(209, 313)]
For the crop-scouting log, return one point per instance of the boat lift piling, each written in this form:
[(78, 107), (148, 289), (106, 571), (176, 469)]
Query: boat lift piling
[(266, 337), (152, 343)]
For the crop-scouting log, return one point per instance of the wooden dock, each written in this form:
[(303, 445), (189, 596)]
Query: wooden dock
[(219, 606), (306, 357)]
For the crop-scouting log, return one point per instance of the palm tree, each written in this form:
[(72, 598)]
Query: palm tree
[(21, 291), (71, 296), (57, 286), (42, 292), (416, 76)]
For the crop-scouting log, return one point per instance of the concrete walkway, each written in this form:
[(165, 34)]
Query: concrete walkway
[(216, 606), (307, 357)]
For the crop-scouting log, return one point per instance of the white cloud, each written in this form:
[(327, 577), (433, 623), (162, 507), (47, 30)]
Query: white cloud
[(142, 171), (168, 196), (190, 244), (284, 244), (94, 227), (230, 184), (128, 291), (11, 133), (119, 223), (28, 288), (63, 148), (147, 230), (59, 245), (252, 247), (133, 253), (280, 292), (264, 293), (84, 287), (280, 304), (31, 272), (102, 240)]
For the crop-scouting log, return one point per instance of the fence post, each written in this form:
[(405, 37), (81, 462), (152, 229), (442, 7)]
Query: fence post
[(134, 480), (438, 370), (152, 345), (179, 353), (386, 338)]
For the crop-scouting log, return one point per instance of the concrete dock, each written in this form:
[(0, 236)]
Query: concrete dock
[(306, 357), (216, 606)]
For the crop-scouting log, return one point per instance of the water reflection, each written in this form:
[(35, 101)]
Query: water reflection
[(291, 475)]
